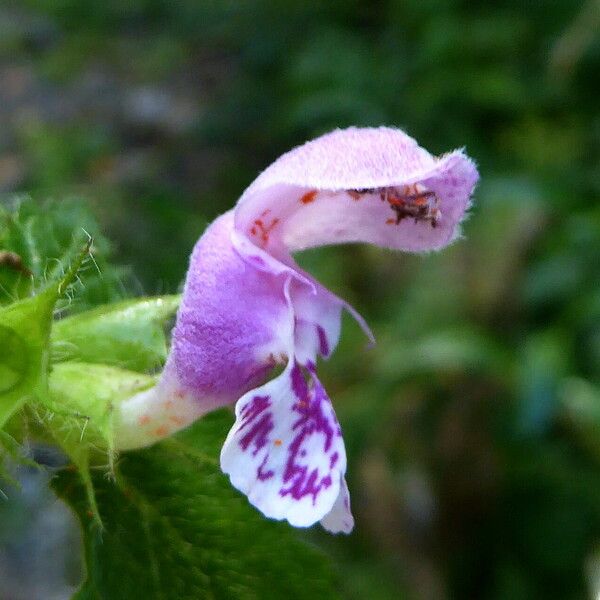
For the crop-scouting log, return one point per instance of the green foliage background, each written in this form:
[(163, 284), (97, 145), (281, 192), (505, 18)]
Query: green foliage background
[(473, 427)]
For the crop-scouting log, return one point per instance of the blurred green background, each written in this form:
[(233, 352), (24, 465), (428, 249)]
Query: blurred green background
[(473, 427)]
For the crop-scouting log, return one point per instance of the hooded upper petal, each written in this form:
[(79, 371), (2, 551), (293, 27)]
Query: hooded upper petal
[(349, 186)]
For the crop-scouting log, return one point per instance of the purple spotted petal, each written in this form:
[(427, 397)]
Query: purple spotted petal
[(358, 185), (285, 451)]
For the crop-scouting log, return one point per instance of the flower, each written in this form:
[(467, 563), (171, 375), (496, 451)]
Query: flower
[(247, 306)]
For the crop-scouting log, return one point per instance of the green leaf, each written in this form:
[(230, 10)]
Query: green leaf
[(24, 332), (175, 529), (127, 334), (13, 366), (24, 336), (10, 447), (79, 412), (46, 236)]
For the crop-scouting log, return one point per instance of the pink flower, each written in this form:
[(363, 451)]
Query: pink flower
[(247, 306)]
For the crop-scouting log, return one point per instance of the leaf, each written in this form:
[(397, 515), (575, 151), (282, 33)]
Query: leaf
[(10, 447), (127, 334), (175, 529), (24, 332), (80, 410), (46, 236), (24, 335)]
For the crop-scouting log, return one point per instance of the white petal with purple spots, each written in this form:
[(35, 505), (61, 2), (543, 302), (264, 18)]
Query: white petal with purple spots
[(285, 451)]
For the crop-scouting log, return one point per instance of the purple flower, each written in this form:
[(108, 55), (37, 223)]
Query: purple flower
[(247, 307)]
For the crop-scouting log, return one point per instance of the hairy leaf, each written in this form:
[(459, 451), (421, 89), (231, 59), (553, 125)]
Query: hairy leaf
[(175, 529), (24, 331), (79, 412), (24, 337), (127, 334), (43, 237), (10, 449)]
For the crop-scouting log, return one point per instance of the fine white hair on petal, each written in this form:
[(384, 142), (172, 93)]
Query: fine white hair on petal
[(330, 191), (355, 157)]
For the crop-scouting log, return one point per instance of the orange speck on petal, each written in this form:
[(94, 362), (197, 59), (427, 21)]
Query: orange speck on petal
[(391, 222), (308, 197), (144, 420), (277, 442), (177, 420), (264, 230), (161, 431), (169, 404)]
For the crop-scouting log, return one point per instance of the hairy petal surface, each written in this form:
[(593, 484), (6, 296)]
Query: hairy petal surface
[(233, 326), (341, 188), (232, 319), (285, 450)]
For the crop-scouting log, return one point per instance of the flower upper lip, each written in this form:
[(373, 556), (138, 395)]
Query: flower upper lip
[(300, 201)]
